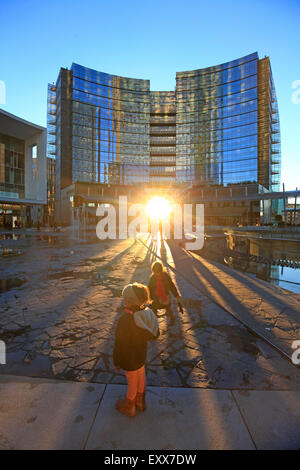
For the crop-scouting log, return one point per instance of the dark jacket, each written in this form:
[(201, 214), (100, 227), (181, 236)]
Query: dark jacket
[(130, 349), (168, 285)]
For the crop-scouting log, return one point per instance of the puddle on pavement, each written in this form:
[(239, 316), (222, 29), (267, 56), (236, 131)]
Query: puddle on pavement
[(97, 260), (10, 283), (6, 252), (64, 275), (102, 276), (22, 363), (239, 339), (50, 239), (8, 335), (11, 236)]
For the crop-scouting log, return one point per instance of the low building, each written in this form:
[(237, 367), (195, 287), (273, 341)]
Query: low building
[(292, 214), (23, 184)]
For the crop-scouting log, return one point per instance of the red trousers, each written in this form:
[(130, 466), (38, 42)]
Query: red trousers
[(136, 382)]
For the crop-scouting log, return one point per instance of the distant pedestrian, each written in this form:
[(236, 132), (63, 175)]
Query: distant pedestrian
[(135, 328), (161, 230), (160, 287)]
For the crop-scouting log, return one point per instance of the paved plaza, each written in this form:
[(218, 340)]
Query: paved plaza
[(207, 375), (61, 298)]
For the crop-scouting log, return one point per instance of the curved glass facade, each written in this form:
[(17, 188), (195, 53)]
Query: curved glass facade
[(217, 131), (110, 127), (219, 127)]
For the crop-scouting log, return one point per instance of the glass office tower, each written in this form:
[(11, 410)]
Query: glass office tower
[(227, 119), (110, 127), (106, 120), (219, 127)]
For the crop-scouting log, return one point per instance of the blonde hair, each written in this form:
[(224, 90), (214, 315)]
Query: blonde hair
[(157, 267), (136, 294)]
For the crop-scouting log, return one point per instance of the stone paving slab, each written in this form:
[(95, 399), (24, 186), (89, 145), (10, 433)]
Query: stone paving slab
[(270, 310), (50, 414), (175, 418), (273, 418), (44, 414)]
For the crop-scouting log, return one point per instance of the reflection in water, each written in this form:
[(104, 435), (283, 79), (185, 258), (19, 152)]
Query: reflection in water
[(275, 263), (10, 283), (288, 278), (11, 236), (10, 252), (285, 277)]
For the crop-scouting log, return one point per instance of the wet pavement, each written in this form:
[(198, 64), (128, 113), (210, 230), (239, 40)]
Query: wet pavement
[(60, 300)]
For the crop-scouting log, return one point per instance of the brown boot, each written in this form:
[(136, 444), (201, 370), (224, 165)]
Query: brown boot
[(140, 401), (126, 406)]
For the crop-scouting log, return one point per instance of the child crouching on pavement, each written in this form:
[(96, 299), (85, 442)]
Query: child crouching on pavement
[(160, 287), (135, 328)]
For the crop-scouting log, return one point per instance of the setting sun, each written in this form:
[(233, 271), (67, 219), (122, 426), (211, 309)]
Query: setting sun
[(158, 208)]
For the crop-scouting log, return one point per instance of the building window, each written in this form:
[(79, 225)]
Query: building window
[(34, 151), (34, 160)]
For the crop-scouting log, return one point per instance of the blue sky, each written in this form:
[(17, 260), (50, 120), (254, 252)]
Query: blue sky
[(149, 40)]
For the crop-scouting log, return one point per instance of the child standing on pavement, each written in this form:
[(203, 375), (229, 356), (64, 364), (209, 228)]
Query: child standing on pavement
[(135, 328), (160, 286)]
